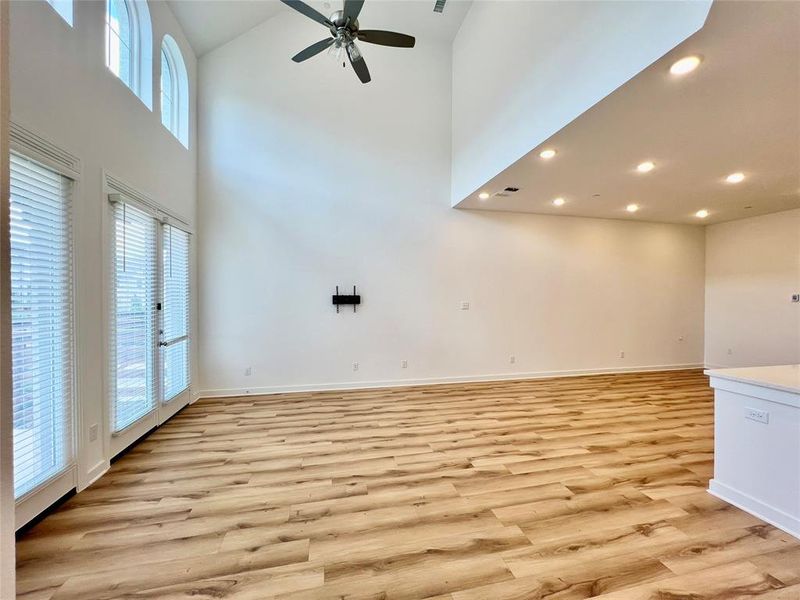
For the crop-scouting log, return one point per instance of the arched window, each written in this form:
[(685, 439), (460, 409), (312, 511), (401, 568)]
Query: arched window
[(63, 8), (129, 46), (174, 91)]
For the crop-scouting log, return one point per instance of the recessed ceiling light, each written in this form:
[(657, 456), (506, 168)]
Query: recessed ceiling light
[(483, 195), (646, 166), (547, 154), (701, 214), (685, 65), (735, 178), (632, 208), (558, 202)]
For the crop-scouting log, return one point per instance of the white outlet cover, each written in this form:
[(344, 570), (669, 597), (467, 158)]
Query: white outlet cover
[(464, 305), (755, 414)]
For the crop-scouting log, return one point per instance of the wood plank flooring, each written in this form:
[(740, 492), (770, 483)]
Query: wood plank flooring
[(564, 488)]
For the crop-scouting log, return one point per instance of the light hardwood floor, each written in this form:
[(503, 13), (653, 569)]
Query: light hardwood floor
[(560, 488)]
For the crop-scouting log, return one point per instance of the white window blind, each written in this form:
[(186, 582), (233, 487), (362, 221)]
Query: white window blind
[(133, 315), (41, 314), (175, 311)]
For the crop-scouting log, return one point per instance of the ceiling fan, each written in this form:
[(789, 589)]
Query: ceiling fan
[(343, 25)]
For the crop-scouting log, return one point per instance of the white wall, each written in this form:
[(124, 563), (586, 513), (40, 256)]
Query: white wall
[(7, 551), (518, 77), (752, 270), (62, 90), (307, 179)]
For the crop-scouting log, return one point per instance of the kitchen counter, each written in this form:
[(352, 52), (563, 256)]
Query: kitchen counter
[(757, 442)]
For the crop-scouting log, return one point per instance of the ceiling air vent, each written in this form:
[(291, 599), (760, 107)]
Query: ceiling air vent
[(439, 6), (505, 193)]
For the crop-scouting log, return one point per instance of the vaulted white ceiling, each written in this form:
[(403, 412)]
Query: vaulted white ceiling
[(209, 24), (738, 112)]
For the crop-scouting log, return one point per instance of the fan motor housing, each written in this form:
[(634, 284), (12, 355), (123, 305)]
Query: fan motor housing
[(339, 22)]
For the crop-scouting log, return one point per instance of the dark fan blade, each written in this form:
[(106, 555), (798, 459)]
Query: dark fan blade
[(306, 10), (352, 8), (312, 50), (360, 67), (386, 38)]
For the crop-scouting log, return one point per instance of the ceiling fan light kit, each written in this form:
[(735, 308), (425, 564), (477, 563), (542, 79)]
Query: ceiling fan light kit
[(344, 29)]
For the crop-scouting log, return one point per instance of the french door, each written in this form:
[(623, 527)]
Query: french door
[(41, 326), (149, 321)]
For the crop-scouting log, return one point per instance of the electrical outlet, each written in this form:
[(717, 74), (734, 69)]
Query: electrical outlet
[(403, 364), (464, 305), (93, 433), (622, 354), (355, 366), (754, 414), (248, 371), (512, 359), (730, 351)]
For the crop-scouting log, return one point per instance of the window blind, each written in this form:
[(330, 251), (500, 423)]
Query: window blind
[(41, 323), (133, 315), (175, 311)]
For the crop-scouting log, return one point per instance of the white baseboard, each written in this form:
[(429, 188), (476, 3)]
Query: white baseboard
[(93, 474), (32, 504), (358, 385), (774, 516)]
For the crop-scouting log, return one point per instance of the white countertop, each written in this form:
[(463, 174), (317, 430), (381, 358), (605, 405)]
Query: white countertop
[(780, 377)]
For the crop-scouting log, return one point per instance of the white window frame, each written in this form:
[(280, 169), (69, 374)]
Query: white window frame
[(118, 191), (173, 92), (180, 90), (163, 342), (26, 143), (141, 63), (64, 9)]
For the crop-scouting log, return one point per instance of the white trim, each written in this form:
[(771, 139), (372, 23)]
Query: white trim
[(33, 503), (39, 149), (169, 409), (116, 186), (766, 512), (92, 475), (132, 433), (141, 61), (180, 90), (358, 385), (753, 390), (36, 148)]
